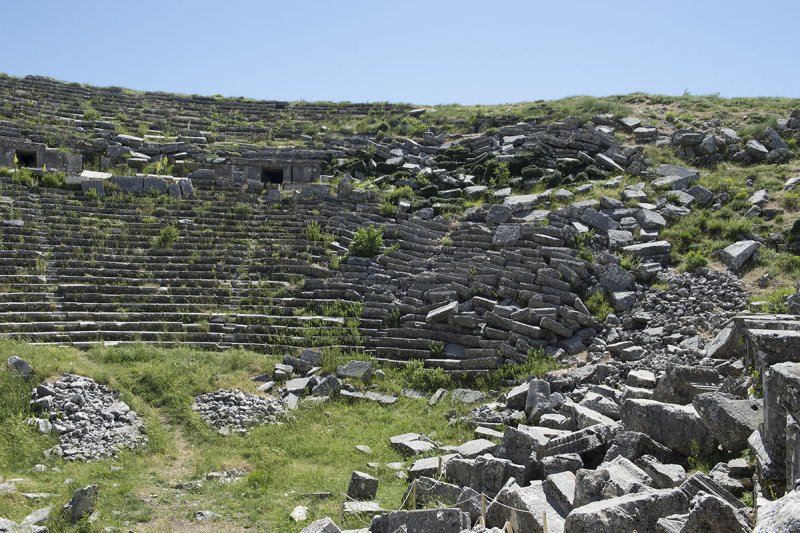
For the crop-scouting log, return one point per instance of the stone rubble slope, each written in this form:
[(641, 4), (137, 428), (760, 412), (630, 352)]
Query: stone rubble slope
[(607, 448), (90, 420)]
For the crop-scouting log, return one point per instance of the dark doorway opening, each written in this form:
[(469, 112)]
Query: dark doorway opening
[(26, 159), (272, 175)]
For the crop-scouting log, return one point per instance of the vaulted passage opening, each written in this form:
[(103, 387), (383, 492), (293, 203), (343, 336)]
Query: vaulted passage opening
[(272, 175), (26, 158)]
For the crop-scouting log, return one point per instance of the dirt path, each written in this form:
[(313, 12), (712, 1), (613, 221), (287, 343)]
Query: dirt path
[(168, 503)]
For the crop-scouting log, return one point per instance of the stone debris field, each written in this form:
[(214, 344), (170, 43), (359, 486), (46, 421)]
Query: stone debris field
[(604, 305)]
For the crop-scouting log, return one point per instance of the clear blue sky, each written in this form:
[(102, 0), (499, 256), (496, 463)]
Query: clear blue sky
[(427, 52)]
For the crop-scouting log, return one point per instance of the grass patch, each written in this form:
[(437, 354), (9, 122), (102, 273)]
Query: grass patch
[(538, 364), (313, 451), (693, 260), (774, 301), (599, 306)]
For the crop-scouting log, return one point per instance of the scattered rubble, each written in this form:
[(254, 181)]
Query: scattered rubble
[(233, 411), (90, 420)]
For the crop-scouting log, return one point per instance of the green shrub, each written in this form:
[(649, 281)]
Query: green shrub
[(537, 365), (387, 209), (581, 241), (496, 174), (694, 259), (697, 463), (166, 237), (393, 320), (160, 167), (775, 301), (314, 231), (367, 242), (401, 193), (416, 376), (24, 176), (437, 349), (629, 262), (598, 305), (91, 114), (54, 180), (243, 209)]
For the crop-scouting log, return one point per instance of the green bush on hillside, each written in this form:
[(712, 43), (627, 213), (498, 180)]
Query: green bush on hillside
[(367, 242)]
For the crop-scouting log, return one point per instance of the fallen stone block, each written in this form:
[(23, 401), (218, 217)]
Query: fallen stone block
[(780, 516), (82, 504), (708, 514), (586, 417), (675, 426), (476, 447), (443, 313), (410, 444), (524, 508), (601, 404), (632, 512), (609, 480), (516, 397), (520, 442), (738, 253), (538, 399), (20, 367), (649, 249), (430, 466), (700, 482), (361, 370), (560, 491), (614, 278), (361, 508), (664, 476), (641, 378), (485, 474), (554, 464), (722, 475), (731, 420), (590, 443), (633, 444), (432, 492), (447, 520), (323, 525), (363, 487), (681, 383)]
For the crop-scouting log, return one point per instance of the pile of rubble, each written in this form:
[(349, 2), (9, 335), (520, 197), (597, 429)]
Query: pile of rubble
[(90, 420), (606, 449), (670, 325), (231, 410)]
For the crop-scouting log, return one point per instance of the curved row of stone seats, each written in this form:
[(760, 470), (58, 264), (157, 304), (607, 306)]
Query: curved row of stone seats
[(253, 272), (63, 106), (437, 263), (123, 290)]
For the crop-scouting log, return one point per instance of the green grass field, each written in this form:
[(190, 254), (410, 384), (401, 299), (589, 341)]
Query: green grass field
[(313, 451)]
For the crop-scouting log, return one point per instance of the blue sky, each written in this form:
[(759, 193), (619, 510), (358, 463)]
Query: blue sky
[(426, 52)]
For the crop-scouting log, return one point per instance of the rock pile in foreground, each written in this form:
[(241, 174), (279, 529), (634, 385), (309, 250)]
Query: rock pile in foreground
[(234, 411), (607, 447), (90, 420)]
